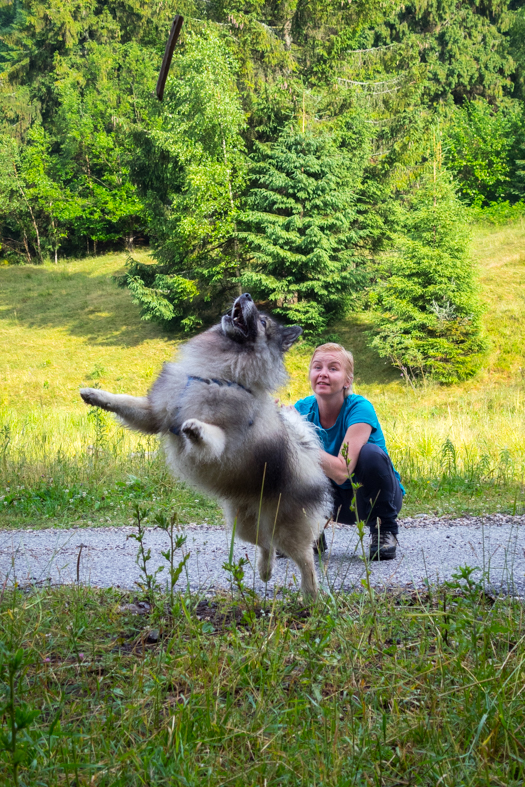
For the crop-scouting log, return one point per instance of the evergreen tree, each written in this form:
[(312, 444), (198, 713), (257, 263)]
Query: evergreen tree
[(463, 46), (426, 307), (99, 160), (517, 49), (301, 230)]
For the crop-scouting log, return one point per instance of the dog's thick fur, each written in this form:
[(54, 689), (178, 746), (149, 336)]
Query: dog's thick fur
[(224, 434)]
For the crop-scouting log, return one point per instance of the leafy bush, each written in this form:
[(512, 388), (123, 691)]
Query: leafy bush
[(481, 150), (64, 178), (499, 213)]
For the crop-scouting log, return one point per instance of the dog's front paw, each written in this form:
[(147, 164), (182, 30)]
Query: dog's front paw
[(193, 430), (204, 440), (95, 397)]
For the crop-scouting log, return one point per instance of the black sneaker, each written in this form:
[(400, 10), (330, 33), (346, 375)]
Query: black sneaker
[(320, 545), (382, 545)]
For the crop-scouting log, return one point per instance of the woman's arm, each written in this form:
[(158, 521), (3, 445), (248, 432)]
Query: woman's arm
[(335, 466)]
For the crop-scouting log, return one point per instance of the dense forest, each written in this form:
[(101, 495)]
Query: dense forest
[(323, 154)]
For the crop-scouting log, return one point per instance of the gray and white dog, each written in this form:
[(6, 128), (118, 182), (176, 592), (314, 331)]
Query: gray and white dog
[(224, 434)]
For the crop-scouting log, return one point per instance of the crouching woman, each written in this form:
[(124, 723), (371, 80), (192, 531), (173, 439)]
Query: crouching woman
[(343, 417)]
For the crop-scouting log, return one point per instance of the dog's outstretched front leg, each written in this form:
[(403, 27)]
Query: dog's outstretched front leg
[(205, 440), (133, 411)]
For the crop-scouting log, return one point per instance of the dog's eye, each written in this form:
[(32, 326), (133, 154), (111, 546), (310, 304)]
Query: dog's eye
[(263, 322)]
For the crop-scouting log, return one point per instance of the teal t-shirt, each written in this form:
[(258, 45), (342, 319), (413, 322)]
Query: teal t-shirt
[(355, 410)]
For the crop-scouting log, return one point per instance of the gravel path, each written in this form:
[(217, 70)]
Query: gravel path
[(429, 548)]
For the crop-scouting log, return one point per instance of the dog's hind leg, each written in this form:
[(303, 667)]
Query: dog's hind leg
[(133, 411), (266, 562), (250, 527), (303, 556)]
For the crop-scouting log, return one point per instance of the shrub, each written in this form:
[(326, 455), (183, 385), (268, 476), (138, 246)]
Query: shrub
[(482, 148)]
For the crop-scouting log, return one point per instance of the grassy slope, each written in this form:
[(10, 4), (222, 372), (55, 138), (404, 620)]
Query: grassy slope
[(65, 326), (62, 327), (501, 255)]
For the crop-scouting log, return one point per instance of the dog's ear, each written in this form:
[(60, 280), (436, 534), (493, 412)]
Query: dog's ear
[(290, 335)]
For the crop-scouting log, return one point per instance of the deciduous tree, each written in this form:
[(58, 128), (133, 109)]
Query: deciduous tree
[(190, 168)]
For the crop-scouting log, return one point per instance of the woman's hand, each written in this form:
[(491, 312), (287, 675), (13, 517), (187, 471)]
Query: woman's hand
[(335, 467), (280, 404)]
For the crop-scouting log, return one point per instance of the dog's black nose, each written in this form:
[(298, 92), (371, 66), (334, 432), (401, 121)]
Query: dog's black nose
[(246, 296)]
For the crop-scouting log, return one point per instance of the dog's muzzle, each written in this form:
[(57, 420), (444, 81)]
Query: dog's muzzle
[(241, 323)]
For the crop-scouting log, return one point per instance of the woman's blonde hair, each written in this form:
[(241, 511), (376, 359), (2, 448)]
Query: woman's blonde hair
[(347, 359)]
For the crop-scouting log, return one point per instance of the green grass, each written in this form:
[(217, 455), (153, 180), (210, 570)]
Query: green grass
[(460, 449), (402, 690)]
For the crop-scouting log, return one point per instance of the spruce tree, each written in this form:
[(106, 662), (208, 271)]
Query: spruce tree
[(426, 307), (301, 230)]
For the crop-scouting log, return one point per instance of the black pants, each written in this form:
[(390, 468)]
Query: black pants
[(379, 493)]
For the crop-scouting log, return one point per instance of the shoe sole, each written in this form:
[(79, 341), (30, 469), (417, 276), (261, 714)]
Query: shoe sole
[(382, 556)]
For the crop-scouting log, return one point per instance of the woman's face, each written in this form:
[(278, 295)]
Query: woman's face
[(327, 375)]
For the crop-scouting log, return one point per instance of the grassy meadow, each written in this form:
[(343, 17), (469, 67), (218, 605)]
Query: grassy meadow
[(460, 449), (377, 689)]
